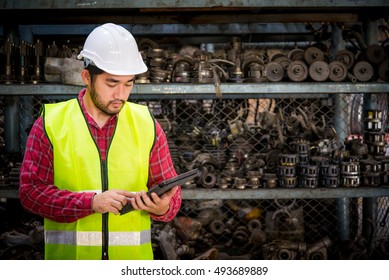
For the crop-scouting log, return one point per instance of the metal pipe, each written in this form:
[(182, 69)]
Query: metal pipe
[(340, 124), (343, 218), (369, 210), (11, 124), (27, 102)]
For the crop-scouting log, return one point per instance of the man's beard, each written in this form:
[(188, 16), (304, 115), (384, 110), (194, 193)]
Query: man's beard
[(100, 105)]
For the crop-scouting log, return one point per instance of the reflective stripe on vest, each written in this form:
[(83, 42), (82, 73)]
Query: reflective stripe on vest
[(89, 238)]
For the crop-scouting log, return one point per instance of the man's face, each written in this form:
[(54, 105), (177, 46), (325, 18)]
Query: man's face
[(109, 92)]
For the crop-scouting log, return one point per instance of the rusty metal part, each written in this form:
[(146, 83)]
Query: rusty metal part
[(374, 116), (280, 249), (296, 54), (159, 75), (300, 146), (371, 173), (285, 170), (338, 71), (318, 250), (351, 77), (38, 51), (239, 183), (158, 62), (217, 227), (287, 181), (254, 179), (308, 181), (71, 69), (288, 159), (208, 179), (223, 183), (240, 235), (329, 181), (374, 137), (156, 53), (52, 50), (319, 71), (182, 70), (272, 160), (350, 168), (211, 254), (373, 120), (282, 59), (254, 224), (166, 238), (383, 221), (297, 71), (146, 44), (253, 68), (23, 73), (306, 169), (375, 54), (257, 237), (22, 252), (346, 57), (53, 69), (269, 180), (8, 77), (64, 52), (329, 170), (363, 71), (350, 181), (383, 70), (188, 229), (274, 71), (356, 147), (313, 54)]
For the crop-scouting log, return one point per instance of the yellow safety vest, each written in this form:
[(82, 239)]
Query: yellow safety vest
[(78, 167)]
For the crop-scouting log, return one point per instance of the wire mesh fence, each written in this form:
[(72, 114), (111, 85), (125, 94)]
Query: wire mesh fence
[(268, 143)]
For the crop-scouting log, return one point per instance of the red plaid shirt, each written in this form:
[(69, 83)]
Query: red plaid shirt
[(39, 195)]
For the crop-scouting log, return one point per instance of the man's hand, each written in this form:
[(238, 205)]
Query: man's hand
[(155, 205), (111, 201)]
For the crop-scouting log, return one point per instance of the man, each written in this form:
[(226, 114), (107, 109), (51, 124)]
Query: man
[(87, 157)]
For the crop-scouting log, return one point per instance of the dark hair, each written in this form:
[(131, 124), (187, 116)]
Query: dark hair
[(93, 71)]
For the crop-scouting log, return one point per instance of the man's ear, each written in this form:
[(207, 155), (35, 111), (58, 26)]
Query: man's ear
[(86, 77)]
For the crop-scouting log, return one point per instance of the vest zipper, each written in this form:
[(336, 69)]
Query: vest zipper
[(105, 241)]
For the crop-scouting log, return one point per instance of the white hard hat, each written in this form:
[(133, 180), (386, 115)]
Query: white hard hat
[(113, 49)]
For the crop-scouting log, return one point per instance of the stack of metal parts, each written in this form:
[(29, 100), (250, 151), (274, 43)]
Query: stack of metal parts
[(22, 242), (373, 135), (272, 153), (35, 63), (61, 66), (287, 170), (350, 172), (160, 68), (2, 141), (329, 175), (308, 175), (3, 174), (238, 65), (23, 63), (374, 169)]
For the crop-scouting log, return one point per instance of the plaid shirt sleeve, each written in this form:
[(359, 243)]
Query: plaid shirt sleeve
[(37, 191), (161, 168)]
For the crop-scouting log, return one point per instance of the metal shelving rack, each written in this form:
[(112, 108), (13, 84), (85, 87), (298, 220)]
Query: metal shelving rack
[(246, 90), (270, 11), (248, 13)]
